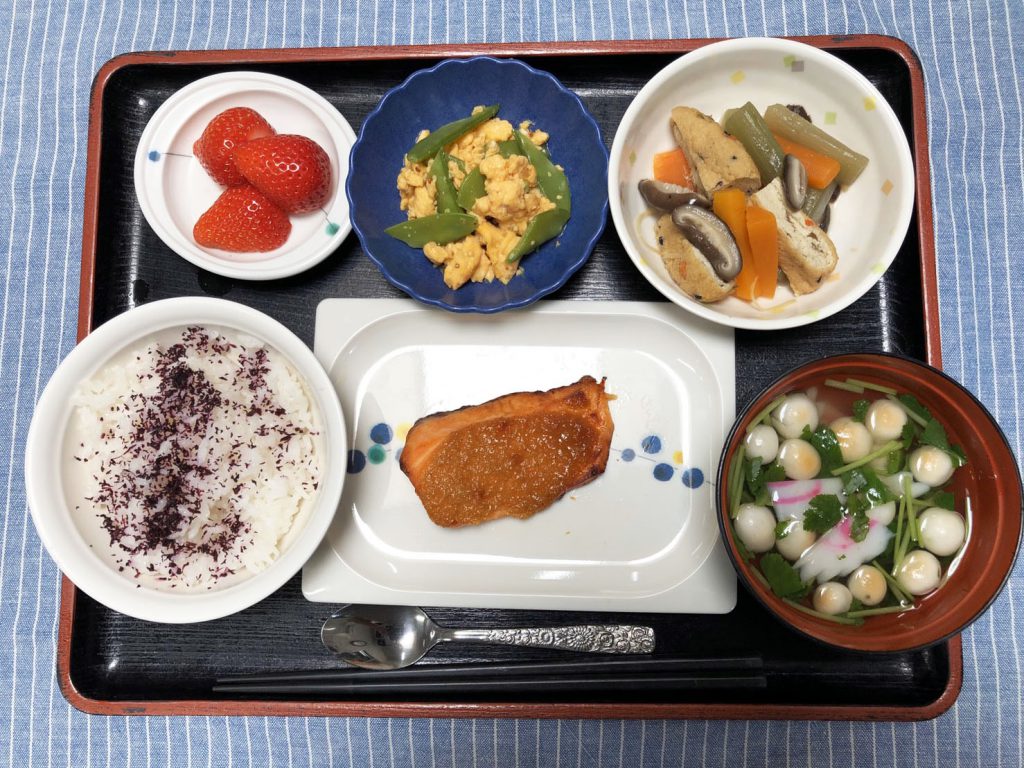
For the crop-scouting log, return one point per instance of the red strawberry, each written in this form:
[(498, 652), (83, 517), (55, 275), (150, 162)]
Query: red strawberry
[(242, 220), (226, 131), (293, 171)]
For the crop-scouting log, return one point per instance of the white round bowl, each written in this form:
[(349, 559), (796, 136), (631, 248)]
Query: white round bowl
[(174, 190), (870, 218), (44, 458)]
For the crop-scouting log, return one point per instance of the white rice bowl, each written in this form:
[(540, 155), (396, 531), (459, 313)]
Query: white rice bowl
[(281, 493)]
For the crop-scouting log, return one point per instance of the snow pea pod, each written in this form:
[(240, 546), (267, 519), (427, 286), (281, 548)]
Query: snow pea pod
[(472, 188), (433, 142), (440, 228), (550, 178), (447, 197), (541, 228), (508, 148)]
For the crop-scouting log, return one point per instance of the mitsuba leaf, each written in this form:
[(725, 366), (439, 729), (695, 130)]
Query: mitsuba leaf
[(876, 491), (957, 454), (943, 499), (753, 475), (855, 480), (913, 404), (859, 524), (864, 484), (823, 513), (773, 473), (894, 462), (907, 435), (782, 577), (826, 444), (857, 502), (860, 410), (783, 528), (935, 434)]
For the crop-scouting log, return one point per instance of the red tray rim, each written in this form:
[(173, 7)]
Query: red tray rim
[(499, 709)]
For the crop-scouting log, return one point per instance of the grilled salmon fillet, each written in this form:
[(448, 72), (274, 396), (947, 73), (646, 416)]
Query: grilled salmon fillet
[(509, 457)]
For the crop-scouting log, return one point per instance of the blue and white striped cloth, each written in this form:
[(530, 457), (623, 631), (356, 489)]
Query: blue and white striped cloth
[(50, 51)]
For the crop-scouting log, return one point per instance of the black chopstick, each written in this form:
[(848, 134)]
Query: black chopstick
[(604, 667), (574, 684)]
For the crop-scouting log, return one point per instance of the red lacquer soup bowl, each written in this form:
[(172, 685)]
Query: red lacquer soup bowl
[(987, 489)]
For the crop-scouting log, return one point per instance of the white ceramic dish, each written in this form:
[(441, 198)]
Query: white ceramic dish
[(45, 484), (871, 216), (642, 537), (174, 190)]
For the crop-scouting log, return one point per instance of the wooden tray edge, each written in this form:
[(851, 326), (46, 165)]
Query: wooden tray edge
[(929, 284)]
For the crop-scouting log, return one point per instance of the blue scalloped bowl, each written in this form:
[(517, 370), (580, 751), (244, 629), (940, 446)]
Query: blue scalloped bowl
[(432, 97)]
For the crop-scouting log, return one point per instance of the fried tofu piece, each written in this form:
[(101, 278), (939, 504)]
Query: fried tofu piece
[(687, 266), (807, 254), (717, 159)]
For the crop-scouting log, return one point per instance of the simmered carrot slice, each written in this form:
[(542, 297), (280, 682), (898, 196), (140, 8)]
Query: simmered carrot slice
[(730, 205), (821, 169), (763, 234), (673, 168)]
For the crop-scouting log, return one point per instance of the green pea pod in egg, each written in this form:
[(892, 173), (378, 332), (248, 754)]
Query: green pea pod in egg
[(440, 228), (550, 178), (472, 189), (542, 227), (508, 148), (447, 197), (434, 142)]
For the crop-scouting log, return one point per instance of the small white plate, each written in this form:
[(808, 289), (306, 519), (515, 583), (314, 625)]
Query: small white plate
[(871, 216), (174, 190), (642, 537)]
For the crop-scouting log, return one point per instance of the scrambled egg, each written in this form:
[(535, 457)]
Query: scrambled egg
[(512, 199)]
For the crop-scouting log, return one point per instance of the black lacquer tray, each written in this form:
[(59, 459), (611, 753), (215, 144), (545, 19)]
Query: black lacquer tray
[(109, 663)]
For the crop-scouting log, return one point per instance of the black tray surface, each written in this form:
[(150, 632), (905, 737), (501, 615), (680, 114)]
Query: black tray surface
[(116, 658)]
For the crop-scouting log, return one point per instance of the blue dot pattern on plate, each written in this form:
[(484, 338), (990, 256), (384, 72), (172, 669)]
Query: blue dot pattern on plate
[(153, 155), (381, 434), (693, 477), (356, 462), (663, 472), (651, 444)]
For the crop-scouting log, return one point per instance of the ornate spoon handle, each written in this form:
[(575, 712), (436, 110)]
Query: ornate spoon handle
[(586, 638)]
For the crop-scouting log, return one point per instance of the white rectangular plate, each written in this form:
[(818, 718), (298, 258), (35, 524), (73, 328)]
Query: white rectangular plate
[(642, 537)]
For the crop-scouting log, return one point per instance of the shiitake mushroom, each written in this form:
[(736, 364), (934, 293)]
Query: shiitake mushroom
[(667, 197), (710, 235), (794, 181)]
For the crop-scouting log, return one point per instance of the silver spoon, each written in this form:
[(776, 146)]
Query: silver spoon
[(395, 636)]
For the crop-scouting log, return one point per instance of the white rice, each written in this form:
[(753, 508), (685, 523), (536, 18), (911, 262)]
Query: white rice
[(236, 465)]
